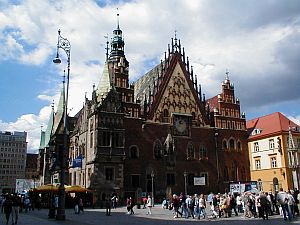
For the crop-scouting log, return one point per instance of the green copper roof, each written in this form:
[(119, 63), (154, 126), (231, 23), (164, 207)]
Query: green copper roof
[(59, 115), (48, 132), (42, 141)]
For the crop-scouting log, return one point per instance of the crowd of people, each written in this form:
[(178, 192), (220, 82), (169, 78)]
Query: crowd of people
[(248, 204)]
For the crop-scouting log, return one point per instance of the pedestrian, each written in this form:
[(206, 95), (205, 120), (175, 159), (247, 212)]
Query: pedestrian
[(81, 205), (76, 205), (282, 199), (15, 208), (145, 202), (202, 206), (7, 208), (108, 205), (190, 206), (176, 203), (149, 205), (114, 200), (263, 206)]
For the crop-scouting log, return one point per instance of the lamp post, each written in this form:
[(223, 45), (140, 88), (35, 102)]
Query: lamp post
[(152, 183), (65, 45), (185, 184)]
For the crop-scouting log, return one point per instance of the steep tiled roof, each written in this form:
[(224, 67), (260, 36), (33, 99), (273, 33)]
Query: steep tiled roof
[(213, 103), (269, 124)]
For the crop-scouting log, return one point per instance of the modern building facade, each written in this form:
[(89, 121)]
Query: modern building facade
[(159, 135), (13, 149), (274, 146)]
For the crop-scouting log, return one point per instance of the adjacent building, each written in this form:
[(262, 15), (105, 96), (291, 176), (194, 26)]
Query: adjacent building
[(274, 146), (13, 149), (159, 135)]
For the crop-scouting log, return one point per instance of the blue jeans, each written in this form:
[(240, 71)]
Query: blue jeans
[(285, 209)]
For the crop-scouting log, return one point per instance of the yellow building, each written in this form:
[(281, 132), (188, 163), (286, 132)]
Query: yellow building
[(274, 147)]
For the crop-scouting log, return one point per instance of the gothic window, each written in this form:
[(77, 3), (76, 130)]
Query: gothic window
[(243, 173), (202, 152), (225, 176), (239, 146), (157, 148), (104, 138), (109, 174), (190, 151), (224, 144), (231, 144), (234, 171), (117, 139), (133, 152)]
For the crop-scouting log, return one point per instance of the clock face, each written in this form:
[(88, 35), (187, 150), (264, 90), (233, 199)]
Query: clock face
[(181, 125)]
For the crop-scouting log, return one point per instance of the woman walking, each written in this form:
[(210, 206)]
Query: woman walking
[(149, 205)]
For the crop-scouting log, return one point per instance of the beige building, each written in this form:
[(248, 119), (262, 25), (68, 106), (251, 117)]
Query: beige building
[(274, 145), (13, 148)]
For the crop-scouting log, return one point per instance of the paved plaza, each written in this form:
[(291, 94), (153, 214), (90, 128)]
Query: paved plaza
[(120, 216)]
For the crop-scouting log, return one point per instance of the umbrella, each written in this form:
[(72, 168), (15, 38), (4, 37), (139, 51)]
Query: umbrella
[(75, 189), (47, 188)]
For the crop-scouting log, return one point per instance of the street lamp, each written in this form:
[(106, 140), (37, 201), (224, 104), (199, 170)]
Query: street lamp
[(185, 184), (152, 183), (65, 45)]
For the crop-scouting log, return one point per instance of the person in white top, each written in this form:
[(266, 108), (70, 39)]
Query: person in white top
[(149, 205)]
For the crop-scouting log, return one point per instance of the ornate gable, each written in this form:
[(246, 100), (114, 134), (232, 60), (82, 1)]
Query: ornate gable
[(171, 88)]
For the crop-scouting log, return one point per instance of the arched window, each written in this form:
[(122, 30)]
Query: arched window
[(133, 152), (225, 176), (190, 151), (231, 144), (239, 146), (202, 152), (234, 171), (157, 149), (243, 174), (224, 144)]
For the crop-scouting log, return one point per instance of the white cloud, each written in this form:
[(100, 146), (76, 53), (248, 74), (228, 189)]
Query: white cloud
[(31, 124)]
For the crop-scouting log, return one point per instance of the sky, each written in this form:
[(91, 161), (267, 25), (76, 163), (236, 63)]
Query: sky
[(258, 42)]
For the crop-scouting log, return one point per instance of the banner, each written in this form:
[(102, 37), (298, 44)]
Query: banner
[(77, 162)]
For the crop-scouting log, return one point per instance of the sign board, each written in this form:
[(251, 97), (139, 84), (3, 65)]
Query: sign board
[(240, 187), (199, 181), (24, 185)]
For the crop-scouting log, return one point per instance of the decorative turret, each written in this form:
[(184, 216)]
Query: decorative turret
[(117, 43)]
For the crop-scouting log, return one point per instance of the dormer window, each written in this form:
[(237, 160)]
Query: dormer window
[(256, 131)]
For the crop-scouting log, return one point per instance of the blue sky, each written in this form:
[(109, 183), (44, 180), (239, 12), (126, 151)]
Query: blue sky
[(257, 41)]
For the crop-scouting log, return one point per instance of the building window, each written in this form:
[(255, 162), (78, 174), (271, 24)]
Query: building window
[(109, 174), (224, 144), (133, 152), (190, 151), (157, 149), (257, 164), (91, 140), (190, 179), (239, 146), (170, 179), (225, 177), (135, 180), (202, 152), (105, 138), (271, 144), (273, 162), (256, 147), (231, 144), (117, 139)]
